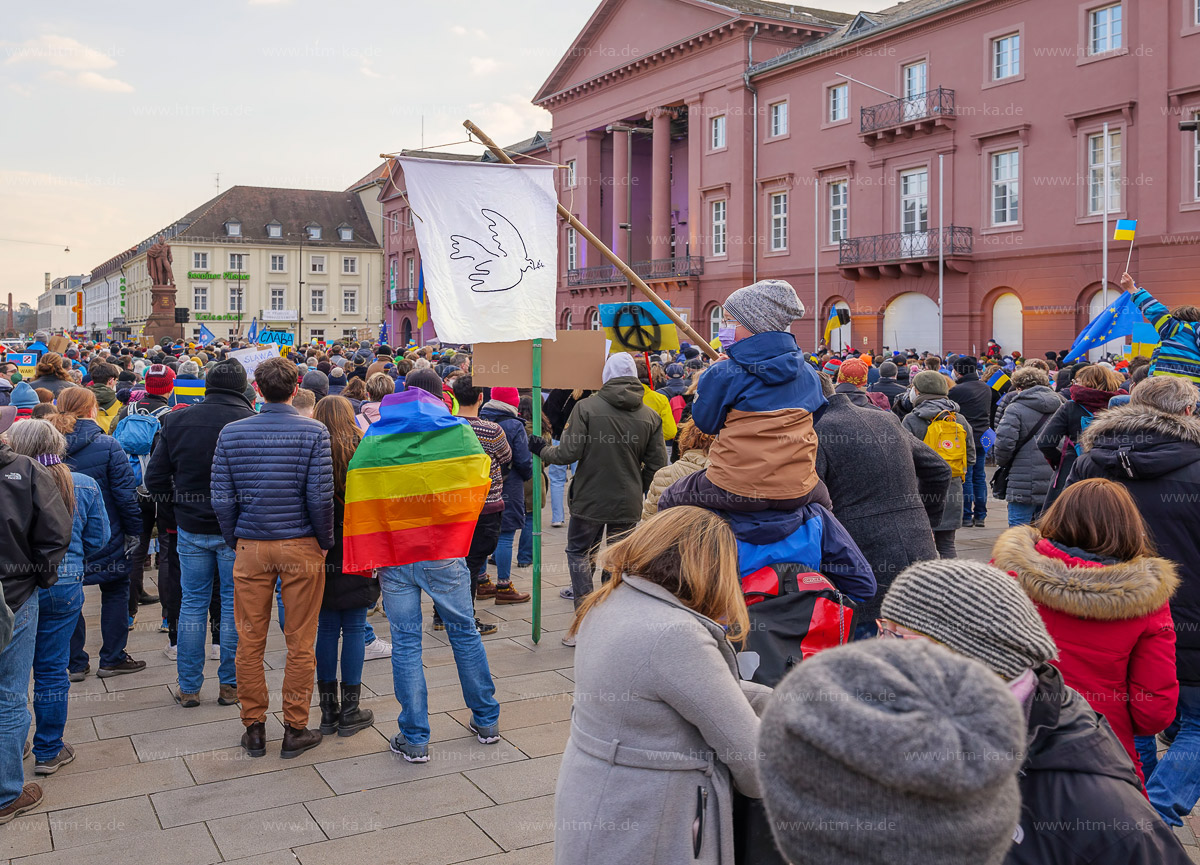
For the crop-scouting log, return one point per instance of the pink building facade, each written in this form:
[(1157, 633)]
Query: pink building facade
[(779, 141)]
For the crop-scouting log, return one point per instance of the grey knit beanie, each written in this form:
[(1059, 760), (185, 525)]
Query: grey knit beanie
[(975, 609), (891, 751), (930, 381), (769, 304)]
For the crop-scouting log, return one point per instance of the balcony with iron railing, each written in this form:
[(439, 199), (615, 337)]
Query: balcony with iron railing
[(923, 112), (402, 295), (905, 253), (652, 270)]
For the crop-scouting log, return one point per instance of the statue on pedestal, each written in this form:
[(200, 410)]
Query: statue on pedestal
[(158, 263)]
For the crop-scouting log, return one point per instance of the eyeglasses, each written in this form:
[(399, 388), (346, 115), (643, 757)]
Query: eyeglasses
[(888, 630)]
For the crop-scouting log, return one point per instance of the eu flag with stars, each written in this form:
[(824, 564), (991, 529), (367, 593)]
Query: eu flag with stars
[(1115, 322)]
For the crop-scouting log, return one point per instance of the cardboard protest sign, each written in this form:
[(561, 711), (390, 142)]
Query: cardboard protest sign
[(574, 359), (58, 343), (250, 358)]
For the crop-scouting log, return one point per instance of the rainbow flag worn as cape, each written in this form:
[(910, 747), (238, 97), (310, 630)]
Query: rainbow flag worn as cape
[(415, 486)]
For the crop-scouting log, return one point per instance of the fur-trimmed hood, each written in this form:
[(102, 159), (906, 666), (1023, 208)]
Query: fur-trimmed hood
[(1125, 590), (1139, 442)]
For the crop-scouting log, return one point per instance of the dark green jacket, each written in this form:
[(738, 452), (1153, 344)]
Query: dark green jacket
[(618, 443)]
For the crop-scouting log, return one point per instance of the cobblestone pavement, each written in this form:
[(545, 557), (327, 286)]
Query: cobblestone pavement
[(157, 783)]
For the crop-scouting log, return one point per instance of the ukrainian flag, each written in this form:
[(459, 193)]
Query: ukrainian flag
[(832, 323), (645, 329), (998, 380), (1126, 228), (422, 301)]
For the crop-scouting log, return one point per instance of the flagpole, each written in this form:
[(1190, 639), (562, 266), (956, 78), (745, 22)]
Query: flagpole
[(941, 259), (1129, 258), (816, 263), (1104, 234)]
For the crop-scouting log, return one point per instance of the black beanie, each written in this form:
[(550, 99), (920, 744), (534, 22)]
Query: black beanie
[(426, 379), (226, 374)]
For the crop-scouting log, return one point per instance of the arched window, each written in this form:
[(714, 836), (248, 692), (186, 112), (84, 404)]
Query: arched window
[(716, 317), (594, 323), (566, 319), (406, 332)]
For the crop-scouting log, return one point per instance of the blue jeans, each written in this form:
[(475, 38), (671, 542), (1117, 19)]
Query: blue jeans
[(1020, 513), (113, 580), (347, 624), (975, 487), (368, 632), (58, 611), (203, 558), (525, 544), (448, 583), (1174, 786), (558, 486), (16, 662), (504, 558)]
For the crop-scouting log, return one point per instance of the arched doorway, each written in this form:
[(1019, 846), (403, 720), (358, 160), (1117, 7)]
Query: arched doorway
[(1008, 323), (839, 336), (911, 321), (406, 331), (1095, 307)]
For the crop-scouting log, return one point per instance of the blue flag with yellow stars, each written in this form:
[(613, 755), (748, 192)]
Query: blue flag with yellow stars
[(1115, 322)]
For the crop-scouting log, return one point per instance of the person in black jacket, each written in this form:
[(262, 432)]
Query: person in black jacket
[(887, 383), (1152, 448), (556, 410), (180, 471), (974, 397), (1059, 440)]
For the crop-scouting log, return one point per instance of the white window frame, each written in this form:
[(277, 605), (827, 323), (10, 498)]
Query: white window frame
[(719, 217), (838, 102), (1196, 144), (717, 132), (349, 301), (777, 211), (233, 228), (777, 119), (200, 298), (280, 259), (1105, 29), (277, 298), (316, 264), (316, 333), (313, 231), (349, 264), (919, 223), (274, 230), (316, 300), (572, 178), (572, 249), (837, 200), (1004, 168), (716, 318), (1006, 56), (345, 234), (237, 298), (394, 220), (237, 261), (410, 267), (594, 320), (199, 261), (914, 87), (1101, 164)]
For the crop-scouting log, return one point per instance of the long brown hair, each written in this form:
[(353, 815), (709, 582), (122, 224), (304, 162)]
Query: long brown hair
[(337, 413), (1100, 516), (74, 403), (35, 438), (1099, 378), (688, 551)]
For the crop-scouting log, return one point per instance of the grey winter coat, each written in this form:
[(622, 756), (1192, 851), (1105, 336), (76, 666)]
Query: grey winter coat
[(1030, 474), (661, 721), (917, 423)]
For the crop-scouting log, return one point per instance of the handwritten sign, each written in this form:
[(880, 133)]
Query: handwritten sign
[(278, 337), (250, 358)]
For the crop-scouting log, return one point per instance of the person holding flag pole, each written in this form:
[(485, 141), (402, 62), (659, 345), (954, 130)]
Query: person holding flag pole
[(1179, 351)]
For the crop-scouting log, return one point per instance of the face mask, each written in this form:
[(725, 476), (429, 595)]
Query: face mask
[(725, 335)]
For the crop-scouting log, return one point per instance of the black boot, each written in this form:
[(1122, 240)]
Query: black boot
[(254, 740), (329, 707), (297, 740), (353, 718)]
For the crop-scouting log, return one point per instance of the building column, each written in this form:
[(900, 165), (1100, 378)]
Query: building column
[(620, 185), (660, 180)]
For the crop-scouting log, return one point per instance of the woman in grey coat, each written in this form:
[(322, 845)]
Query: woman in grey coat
[(1029, 474), (929, 399), (663, 727)]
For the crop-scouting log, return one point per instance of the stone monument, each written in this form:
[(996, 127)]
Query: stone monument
[(161, 321)]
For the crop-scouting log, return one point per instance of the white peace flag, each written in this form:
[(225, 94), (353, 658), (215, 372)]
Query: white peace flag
[(489, 247)]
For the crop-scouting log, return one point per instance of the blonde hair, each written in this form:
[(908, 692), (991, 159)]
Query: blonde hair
[(1098, 377), (690, 552)]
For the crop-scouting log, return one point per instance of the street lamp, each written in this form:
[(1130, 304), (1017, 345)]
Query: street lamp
[(300, 287)]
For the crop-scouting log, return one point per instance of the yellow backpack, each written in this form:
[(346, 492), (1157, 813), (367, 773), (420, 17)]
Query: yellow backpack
[(105, 417), (949, 439)]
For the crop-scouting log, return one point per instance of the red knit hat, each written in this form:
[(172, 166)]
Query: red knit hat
[(160, 380), (853, 372), (507, 395)]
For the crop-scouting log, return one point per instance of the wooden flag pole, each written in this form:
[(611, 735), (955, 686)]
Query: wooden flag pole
[(616, 261)]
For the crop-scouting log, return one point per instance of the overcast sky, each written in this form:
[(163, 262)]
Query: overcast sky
[(118, 116)]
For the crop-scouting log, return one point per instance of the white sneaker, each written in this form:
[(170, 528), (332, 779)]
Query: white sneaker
[(171, 652), (214, 651), (380, 648)]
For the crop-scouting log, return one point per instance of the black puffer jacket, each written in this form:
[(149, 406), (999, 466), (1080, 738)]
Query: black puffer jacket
[(889, 387), (90, 452), (1029, 473), (1156, 456), (974, 398), (345, 591), (35, 530), (1080, 798)]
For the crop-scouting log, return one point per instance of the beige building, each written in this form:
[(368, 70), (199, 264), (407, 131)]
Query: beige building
[(302, 261)]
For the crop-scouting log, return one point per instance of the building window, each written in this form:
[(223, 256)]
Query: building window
[(572, 249), (394, 221), (410, 275), (719, 223), (716, 133), (916, 83), (408, 217), (235, 298), (566, 319), (350, 301), (779, 119), (237, 261), (1104, 172), (914, 201), (1196, 140), (839, 210), (839, 102), (60, 300), (314, 232), (316, 300), (345, 234), (199, 261), (716, 318), (278, 263), (1006, 56), (278, 298), (571, 177), (350, 264), (316, 264), (317, 333), (1104, 29), (1005, 176), (779, 221), (233, 228), (274, 229), (200, 298), (594, 321)]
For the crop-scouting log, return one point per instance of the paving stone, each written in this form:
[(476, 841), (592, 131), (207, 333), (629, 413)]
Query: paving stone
[(542, 854), (511, 782), (432, 842), (94, 704), (445, 758), (238, 796), (276, 857), (541, 740), (26, 835), (496, 650), (167, 716), (441, 726), (190, 845), (547, 656), (265, 831), (228, 763), (102, 754), (395, 805), (163, 744), (104, 821), (527, 713), (532, 685), (526, 823), (100, 785)]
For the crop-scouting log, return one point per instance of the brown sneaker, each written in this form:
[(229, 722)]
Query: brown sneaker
[(30, 798), (228, 695), (188, 701), (487, 589), (298, 740), (509, 595), (49, 767)]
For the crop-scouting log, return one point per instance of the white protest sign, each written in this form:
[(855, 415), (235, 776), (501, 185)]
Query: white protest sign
[(250, 358)]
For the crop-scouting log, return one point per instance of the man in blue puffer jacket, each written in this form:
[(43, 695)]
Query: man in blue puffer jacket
[(272, 492)]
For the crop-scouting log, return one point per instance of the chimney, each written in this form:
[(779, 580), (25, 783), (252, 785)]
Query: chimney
[(9, 328), (47, 280)]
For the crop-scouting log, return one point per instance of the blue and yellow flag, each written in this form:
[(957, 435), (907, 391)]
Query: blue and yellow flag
[(638, 326), (1126, 228), (422, 301), (831, 324), (998, 379), (1115, 322)]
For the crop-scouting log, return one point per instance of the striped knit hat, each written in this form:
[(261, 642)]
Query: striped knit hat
[(832, 367), (974, 609)]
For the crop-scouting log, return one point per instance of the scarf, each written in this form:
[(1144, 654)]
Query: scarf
[(1090, 398), (49, 459)]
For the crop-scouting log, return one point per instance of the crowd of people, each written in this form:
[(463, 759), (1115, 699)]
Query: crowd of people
[(785, 659)]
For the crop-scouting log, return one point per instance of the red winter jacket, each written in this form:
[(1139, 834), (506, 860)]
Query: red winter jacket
[(1112, 626)]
